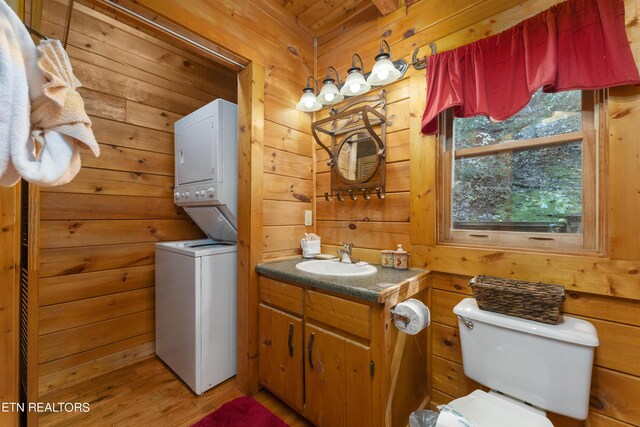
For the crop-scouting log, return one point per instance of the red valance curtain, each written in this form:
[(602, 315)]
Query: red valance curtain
[(577, 44)]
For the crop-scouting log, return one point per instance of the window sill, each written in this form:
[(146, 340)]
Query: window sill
[(521, 249)]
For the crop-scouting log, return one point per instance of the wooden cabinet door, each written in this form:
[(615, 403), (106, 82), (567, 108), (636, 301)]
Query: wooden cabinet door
[(338, 379), (281, 352)]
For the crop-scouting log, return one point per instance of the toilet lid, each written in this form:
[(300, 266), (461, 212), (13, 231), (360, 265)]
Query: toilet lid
[(488, 410)]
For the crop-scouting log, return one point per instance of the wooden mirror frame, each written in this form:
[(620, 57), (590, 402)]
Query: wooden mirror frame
[(358, 115)]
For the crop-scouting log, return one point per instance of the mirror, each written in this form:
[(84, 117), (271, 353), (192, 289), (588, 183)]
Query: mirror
[(357, 158)]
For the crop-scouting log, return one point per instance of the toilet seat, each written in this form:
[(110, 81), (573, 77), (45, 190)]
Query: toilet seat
[(492, 410)]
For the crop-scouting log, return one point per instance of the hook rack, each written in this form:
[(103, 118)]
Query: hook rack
[(353, 194), (421, 64), (360, 120)]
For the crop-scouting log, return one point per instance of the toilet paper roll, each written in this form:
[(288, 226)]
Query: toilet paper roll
[(417, 313)]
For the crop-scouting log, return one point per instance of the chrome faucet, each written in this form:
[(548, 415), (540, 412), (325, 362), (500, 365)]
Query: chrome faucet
[(345, 254)]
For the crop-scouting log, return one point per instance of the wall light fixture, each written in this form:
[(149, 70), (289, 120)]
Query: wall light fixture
[(308, 101), (329, 94), (384, 71), (355, 84)]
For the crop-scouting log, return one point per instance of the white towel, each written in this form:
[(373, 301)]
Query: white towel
[(50, 155), (58, 119), (14, 94)]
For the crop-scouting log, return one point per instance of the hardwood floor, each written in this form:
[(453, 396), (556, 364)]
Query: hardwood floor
[(150, 394)]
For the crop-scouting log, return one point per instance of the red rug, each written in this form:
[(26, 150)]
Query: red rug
[(241, 412)]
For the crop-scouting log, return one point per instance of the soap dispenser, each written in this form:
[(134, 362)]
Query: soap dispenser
[(400, 259)]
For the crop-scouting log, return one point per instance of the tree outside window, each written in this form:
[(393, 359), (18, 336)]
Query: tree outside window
[(528, 181)]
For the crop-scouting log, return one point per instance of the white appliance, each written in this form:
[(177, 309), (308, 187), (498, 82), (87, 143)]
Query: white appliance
[(530, 367), (196, 280), (196, 311), (206, 168)]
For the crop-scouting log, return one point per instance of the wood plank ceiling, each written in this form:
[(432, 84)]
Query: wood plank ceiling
[(322, 16)]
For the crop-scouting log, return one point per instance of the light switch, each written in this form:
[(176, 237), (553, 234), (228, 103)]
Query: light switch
[(308, 218)]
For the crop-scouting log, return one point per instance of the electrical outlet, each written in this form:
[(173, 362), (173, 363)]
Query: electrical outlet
[(308, 218)]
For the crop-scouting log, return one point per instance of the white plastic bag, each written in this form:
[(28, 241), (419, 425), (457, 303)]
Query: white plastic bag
[(449, 417)]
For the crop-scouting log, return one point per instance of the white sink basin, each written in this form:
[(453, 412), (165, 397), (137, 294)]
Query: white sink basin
[(335, 268)]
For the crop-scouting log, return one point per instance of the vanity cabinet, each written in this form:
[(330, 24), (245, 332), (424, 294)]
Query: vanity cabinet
[(281, 360), (338, 360), (339, 366), (280, 332), (338, 379)]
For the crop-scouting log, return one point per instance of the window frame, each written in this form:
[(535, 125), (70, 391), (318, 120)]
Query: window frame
[(590, 240)]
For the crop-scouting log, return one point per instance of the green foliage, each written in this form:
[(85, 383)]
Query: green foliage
[(538, 206), (546, 114), (539, 185)]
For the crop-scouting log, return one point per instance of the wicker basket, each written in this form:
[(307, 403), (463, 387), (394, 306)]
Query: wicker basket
[(529, 300)]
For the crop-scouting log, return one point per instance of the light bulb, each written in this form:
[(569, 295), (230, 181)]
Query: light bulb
[(330, 97), (383, 74), (308, 101), (354, 84)]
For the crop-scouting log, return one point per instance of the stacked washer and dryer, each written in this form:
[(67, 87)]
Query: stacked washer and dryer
[(196, 279)]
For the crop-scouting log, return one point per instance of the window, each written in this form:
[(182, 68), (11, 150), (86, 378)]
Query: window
[(527, 182)]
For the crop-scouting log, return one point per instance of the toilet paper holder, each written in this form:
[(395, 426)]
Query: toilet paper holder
[(397, 316)]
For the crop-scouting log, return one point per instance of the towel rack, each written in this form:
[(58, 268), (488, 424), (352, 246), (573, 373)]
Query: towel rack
[(67, 23), (67, 26), (36, 33)]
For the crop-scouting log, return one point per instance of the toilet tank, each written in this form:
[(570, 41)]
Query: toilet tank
[(548, 366)]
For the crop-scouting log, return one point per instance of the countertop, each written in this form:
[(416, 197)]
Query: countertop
[(372, 288)]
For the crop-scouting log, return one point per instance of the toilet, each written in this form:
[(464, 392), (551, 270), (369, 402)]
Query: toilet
[(529, 367)]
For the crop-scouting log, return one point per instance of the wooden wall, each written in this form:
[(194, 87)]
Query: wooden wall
[(374, 223), (97, 233), (10, 287), (9, 299), (603, 289), (262, 29)]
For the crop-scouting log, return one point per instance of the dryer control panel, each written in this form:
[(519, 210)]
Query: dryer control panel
[(195, 194), (206, 156)]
